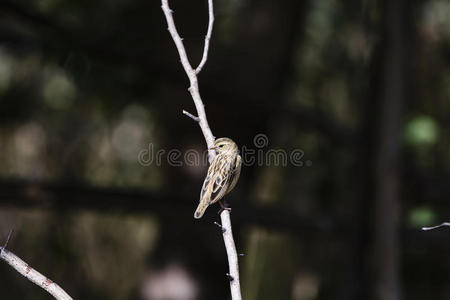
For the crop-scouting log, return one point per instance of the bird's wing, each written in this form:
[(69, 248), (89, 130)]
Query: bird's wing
[(206, 191), (222, 180), (215, 180), (234, 177), (205, 186)]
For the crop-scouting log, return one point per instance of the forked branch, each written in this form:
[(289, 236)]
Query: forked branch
[(233, 264)]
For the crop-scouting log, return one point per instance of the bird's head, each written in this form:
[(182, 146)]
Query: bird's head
[(224, 145)]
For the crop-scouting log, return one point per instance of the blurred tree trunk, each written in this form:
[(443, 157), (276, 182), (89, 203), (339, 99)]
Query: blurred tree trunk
[(384, 270)]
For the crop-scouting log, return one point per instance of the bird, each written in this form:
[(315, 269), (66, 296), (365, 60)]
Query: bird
[(222, 176)]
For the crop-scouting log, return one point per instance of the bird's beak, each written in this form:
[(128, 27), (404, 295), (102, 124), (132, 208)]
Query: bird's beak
[(212, 148)]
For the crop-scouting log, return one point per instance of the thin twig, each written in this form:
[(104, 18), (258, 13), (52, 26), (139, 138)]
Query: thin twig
[(31, 274), (220, 226), (207, 37), (437, 226), (209, 138), (196, 119), (7, 239)]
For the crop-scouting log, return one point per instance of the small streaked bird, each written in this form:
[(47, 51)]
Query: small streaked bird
[(223, 174)]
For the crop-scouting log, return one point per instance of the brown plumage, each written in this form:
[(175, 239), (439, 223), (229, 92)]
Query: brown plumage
[(222, 176)]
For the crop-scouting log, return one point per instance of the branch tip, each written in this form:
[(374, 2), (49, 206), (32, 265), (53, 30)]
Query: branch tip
[(207, 37), (220, 226), (436, 227), (196, 119), (8, 239)]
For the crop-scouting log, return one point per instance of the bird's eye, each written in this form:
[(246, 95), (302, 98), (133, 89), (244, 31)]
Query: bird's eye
[(220, 146)]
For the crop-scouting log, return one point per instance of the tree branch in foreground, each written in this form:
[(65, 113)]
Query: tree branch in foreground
[(209, 138), (31, 274)]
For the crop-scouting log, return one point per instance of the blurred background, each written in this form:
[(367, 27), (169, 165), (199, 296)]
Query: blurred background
[(362, 88)]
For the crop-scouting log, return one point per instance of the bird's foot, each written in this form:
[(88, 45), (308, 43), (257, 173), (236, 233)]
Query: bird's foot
[(223, 206)]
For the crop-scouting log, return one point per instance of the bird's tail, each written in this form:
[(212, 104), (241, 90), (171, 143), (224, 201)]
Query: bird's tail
[(201, 208)]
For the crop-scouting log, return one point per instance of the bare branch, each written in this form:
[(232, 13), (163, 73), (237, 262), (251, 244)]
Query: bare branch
[(209, 138), (436, 227), (233, 262), (193, 89), (207, 37), (31, 274), (196, 119)]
